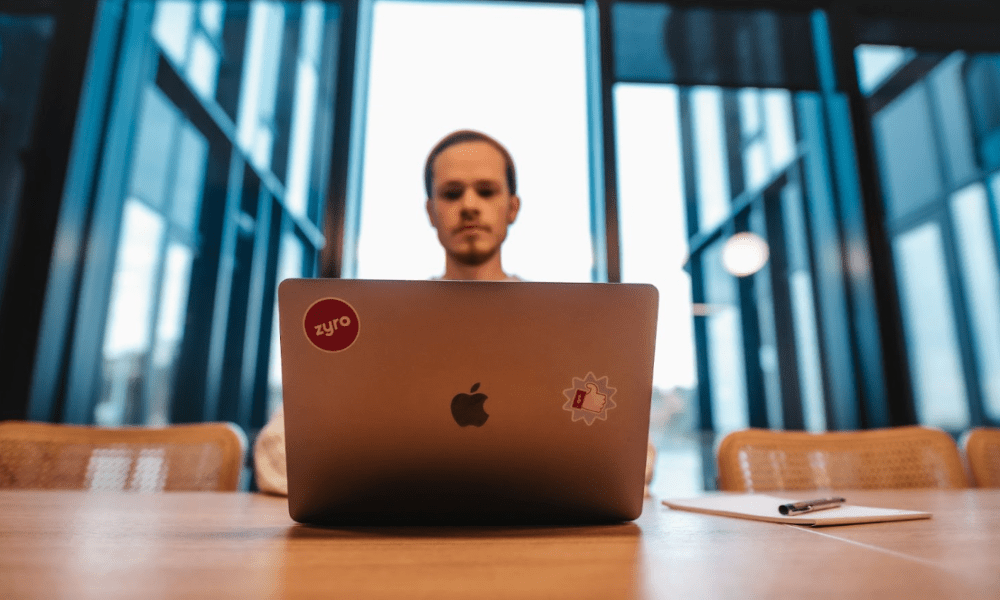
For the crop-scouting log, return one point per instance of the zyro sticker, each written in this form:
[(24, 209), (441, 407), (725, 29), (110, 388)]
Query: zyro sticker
[(331, 324)]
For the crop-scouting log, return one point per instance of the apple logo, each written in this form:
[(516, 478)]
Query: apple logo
[(467, 409)]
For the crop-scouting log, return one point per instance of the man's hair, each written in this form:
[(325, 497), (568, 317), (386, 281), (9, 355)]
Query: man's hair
[(460, 137)]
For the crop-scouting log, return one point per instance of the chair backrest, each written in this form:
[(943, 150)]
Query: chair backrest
[(197, 457), (755, 460), (982, 451)]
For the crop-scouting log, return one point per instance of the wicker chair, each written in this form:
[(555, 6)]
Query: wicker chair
[(982, 451), (757, 460), (199, 457)]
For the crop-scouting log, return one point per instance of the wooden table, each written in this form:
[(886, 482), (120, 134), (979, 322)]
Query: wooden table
[(179, 545)]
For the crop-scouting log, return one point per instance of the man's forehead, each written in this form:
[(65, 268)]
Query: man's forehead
[(470, 160)]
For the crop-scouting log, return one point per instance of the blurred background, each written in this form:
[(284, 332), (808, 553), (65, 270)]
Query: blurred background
[(813, 186)]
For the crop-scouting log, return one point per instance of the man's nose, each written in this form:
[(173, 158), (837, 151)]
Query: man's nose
[(470, 201)]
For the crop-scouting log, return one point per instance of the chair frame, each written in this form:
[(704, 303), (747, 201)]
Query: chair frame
[(984, 465)]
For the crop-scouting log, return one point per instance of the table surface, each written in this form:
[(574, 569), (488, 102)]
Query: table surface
[(215, 545)]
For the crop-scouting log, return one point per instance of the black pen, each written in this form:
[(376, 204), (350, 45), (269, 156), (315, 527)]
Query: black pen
[(797, 508)]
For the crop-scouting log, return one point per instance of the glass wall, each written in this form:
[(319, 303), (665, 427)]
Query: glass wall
[(220, 146), (746, 155), (531, 96), (211, 187), (934, 117), (769, 146), (652, 217), (24, 44), (156, 247)]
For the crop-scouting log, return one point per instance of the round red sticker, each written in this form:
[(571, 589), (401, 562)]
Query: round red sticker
[(331, 324)]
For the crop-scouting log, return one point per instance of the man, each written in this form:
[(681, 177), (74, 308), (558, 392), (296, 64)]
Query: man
[(471, 200), (471, 188)]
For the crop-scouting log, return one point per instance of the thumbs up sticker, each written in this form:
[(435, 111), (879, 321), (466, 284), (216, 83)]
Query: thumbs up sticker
[(592, 400), (589, 399)]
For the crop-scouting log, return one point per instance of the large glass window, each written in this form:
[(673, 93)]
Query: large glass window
[(981, 76), (24, 44), (727, 374), (256, 120), (948, 94), (763, 348), (652, 218), (529, 91), (291, 264), (930, 329), (224, 172), (971, 214), (190, 35), (153, 267), (225, 164), (768, 323), (710, 158), (131, 314), (935, 139), (910, 167), (755, 156), (877, 63), (800, 291), (720, 135)]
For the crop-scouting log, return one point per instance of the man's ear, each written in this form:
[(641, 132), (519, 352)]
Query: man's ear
[(429, 205), (513, 209)]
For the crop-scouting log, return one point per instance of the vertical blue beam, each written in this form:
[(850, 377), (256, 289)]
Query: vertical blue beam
[(603, 168), (706, 419), (828, 263), (349, 144), (85, 370), (66, 198), (884, 386), (598, 79)]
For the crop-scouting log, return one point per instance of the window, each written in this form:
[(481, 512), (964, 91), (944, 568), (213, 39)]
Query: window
[(291, 264), (932, 128), (719, 132), (971, 215), (530, 95), (930, 327), (153, 266), (910, 166), (652, 218), (24, 44), (212, 179), (727, 375), (220, 145)]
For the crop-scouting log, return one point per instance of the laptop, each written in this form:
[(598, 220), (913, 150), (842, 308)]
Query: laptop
[(453, 402)]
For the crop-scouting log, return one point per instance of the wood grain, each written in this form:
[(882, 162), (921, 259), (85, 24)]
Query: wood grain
[(57, 544), (962, 538)]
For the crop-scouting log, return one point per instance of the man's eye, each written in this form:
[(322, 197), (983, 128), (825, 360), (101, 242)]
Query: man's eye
[(486, 192), (452, 194)]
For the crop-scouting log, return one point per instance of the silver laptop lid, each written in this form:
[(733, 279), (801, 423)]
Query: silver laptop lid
[(444, 401)]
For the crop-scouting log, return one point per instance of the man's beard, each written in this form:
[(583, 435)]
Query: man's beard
[(473, 257)]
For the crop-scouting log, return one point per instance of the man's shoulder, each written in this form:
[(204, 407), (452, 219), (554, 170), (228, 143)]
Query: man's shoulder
[(507, 278)]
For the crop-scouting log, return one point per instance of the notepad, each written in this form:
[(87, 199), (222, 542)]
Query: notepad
[(760, 507)]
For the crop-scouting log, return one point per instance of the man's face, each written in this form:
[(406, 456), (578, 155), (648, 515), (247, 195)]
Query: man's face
[(471, 206)]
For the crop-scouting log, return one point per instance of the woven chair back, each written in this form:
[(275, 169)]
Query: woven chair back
[(198, 457), (755, 460)]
